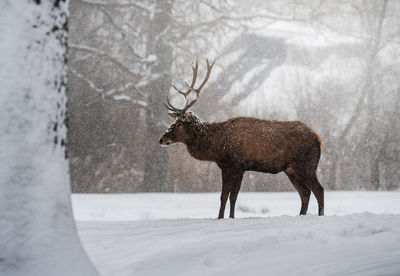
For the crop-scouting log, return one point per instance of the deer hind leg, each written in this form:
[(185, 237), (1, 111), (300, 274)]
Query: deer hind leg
[(303, 191), (312, 183), (318, 192), (236, 180)]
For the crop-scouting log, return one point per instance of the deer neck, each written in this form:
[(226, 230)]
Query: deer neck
[(203, 141)]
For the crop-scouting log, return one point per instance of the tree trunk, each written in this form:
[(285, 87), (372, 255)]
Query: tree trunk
[(367, 92), (38, 235), (155, 174)]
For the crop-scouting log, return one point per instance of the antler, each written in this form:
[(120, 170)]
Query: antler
[(195, 69), (190, 87)]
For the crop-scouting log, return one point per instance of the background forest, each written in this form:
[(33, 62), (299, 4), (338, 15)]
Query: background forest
[(334, 65)]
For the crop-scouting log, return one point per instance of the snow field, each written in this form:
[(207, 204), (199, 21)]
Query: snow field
[(128, 207), (162, 234)]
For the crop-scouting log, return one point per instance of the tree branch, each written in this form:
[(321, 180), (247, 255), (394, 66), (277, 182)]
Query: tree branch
[(118, 5), (103, 54)]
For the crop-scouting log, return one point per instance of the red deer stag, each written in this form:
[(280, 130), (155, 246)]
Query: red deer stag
[(248, 144)]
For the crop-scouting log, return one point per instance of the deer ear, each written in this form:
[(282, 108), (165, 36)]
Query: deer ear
[(173, 115)]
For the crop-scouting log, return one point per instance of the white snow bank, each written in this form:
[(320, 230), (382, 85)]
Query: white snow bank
[(281, 243), (361, 244), (128, 207), (122, 237)]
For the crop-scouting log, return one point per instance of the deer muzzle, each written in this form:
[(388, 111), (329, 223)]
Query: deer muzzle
[(165, 141)]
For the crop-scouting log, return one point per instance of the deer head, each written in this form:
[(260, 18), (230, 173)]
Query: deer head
[(178, 131)]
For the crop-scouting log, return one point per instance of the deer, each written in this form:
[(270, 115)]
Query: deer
[(247, 144)]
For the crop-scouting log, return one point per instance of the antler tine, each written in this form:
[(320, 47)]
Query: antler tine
[(170, 107), (209, 68), (187, 106), (195, 70), (181, 92)]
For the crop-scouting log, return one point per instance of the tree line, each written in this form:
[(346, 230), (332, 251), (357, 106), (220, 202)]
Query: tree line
[(330, 64)]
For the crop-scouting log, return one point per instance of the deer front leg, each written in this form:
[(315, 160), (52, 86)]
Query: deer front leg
[(231, 179), (224, 198), (236, 180)]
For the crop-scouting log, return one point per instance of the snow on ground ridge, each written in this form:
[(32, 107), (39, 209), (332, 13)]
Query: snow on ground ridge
[(178, 234), (362, 244)]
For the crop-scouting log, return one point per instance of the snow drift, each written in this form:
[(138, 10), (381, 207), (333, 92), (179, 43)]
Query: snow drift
[(131, 235)]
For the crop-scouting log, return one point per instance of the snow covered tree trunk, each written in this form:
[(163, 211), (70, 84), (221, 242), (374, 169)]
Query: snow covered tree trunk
[(37, 230)]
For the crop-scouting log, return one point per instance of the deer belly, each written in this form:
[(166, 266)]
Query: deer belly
[(263, 161), (272, 166)]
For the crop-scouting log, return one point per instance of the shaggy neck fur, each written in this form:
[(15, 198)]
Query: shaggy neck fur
[(203, 142)]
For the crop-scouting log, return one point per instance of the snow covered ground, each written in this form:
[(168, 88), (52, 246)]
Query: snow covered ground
[(177, 234)]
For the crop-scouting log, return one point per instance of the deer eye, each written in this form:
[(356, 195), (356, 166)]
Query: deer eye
[(178, 124)]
